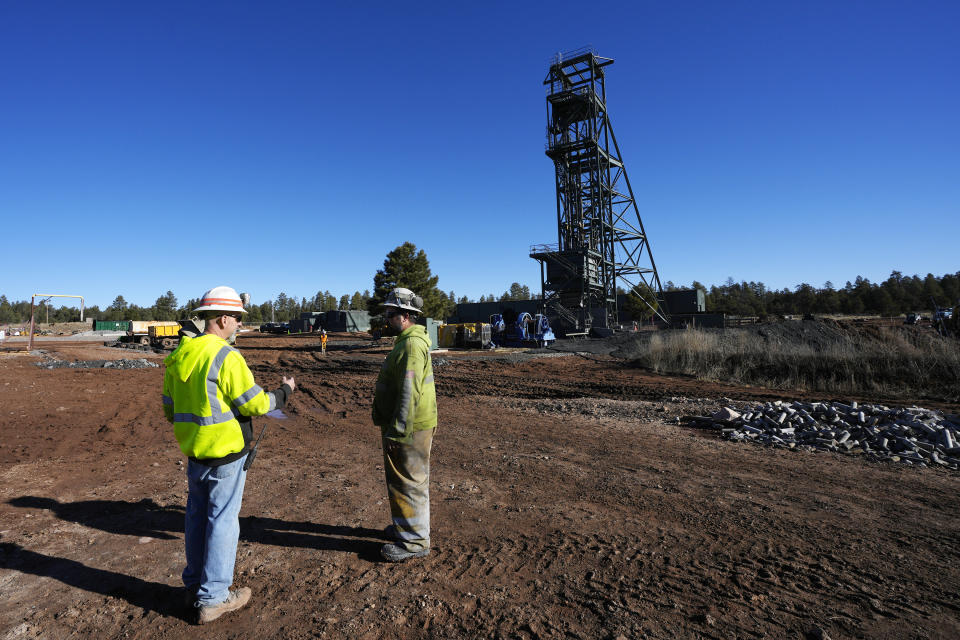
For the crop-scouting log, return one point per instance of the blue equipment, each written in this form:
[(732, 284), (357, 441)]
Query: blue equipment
[(527, 331), (543, 334)]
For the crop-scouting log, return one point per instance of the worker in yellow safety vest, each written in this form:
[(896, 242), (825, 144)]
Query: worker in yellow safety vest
[(405, 409), (323, 341), (209, 395)]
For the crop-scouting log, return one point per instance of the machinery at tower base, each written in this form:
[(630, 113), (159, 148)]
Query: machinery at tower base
[(523, 331)]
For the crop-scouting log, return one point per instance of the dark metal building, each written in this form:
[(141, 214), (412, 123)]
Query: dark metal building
[(601, 240), (333, 320), (481, 311)]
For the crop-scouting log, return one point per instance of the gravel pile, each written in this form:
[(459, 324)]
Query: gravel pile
[(138, 363), (910, 435)]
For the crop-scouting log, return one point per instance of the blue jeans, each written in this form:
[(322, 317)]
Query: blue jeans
[(212, 528)]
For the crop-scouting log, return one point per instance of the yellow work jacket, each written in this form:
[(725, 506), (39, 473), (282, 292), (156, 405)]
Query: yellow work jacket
[(405, 400), (208, 394)]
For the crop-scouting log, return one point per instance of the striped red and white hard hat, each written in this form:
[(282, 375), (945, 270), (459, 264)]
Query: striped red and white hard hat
[(221, 299)]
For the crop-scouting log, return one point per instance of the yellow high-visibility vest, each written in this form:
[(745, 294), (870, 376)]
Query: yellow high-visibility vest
[(206, 387)]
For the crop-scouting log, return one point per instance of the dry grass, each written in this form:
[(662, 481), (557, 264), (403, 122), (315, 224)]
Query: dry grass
[(879, 360)]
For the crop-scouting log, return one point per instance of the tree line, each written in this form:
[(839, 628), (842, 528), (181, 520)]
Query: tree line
[(407, 266), (166, 307), (897, 295)]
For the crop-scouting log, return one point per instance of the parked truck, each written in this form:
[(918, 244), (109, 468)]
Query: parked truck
[(139, 331), (942, 319)]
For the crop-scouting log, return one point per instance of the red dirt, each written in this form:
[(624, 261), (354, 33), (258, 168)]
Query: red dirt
[(565, 504)]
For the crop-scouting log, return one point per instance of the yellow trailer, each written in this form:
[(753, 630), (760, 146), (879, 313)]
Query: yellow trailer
[(164, 336)]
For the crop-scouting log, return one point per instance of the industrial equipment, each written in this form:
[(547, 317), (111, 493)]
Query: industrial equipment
[(601, 240), (528, 331), (469, 335), (447, 335), (475, 335)]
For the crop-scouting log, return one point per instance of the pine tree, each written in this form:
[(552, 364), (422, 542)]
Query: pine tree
[(7, 313), (329, 301), (357, 301), (252, 317), (267, 311), (636, 305), (408, 267), (187, 310), (293, 308), (281, 307), (116, 309), (165, 307)]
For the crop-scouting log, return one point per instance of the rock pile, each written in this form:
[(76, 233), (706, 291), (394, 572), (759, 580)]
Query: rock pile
[(137, 363), (910, 435)]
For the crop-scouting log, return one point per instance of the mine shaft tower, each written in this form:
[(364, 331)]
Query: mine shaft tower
[(601, 241)]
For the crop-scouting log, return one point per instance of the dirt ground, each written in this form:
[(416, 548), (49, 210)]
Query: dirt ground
[(566, 503)]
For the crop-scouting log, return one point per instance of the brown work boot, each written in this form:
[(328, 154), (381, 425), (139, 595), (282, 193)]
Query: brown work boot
[(236, 599)]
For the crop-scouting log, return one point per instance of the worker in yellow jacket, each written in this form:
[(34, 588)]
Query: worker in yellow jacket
[(405, 409), (209, 395)]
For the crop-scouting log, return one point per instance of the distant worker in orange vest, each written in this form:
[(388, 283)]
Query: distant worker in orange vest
[(323, 341)]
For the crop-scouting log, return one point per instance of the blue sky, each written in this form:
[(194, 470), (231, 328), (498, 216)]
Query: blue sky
[(290, 146)]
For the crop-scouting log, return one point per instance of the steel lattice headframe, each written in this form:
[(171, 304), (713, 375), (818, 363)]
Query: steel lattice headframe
[(601, 239)]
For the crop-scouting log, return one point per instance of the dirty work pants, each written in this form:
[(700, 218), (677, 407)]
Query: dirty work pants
[(407, 467), (212, 528)]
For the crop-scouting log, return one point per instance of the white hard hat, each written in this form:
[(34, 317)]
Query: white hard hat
[(221, 299), (404, 299)]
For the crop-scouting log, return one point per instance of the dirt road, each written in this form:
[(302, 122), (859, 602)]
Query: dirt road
[(566, 503)]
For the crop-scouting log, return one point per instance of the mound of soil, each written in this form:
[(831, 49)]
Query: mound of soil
[(817, 335)]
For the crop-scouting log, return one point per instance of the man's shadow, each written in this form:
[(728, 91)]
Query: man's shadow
[(149, 596), (147, 518), (143, 518)]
